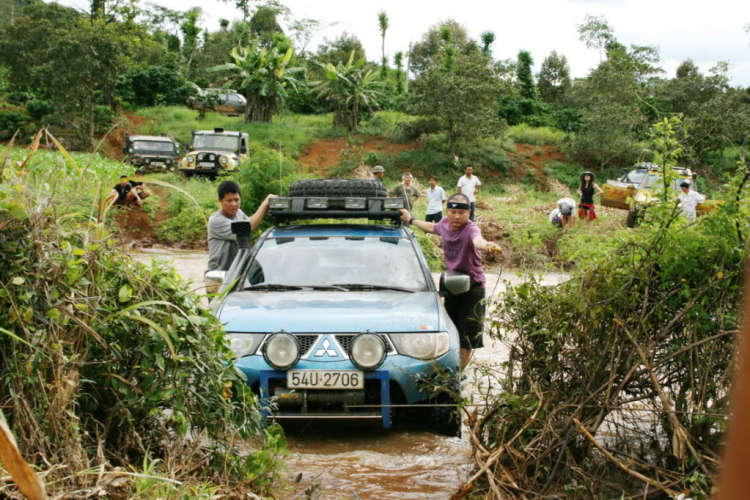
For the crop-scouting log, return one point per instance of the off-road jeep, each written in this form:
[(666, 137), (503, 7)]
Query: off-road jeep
[(341, 320), (216, 151), (151, 153)]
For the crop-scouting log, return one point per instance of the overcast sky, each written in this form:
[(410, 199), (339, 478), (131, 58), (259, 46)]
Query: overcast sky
[(705, 31)]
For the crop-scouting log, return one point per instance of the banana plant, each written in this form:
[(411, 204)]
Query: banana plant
[(264, 75), (352, 88)]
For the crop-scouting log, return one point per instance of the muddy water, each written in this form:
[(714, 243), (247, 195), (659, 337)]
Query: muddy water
[(356, 460)]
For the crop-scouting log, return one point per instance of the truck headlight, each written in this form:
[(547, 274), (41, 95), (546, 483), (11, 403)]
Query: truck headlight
[(244, 344), (281, 351), (191, 159), (421, 345), (223, 160), (367, 351), (280, 203), (393, 203)]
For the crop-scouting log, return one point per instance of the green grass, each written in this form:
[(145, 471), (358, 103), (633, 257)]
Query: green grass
[(525, 134)]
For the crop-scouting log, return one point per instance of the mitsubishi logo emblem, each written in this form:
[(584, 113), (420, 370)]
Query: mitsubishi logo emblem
[(325, 350)]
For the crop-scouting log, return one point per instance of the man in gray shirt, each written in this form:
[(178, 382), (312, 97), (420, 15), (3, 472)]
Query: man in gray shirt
[(222, 243)]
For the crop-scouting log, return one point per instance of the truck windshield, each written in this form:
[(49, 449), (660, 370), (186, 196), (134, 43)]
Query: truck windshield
[(160, 146), (215, 141), (326, 262)]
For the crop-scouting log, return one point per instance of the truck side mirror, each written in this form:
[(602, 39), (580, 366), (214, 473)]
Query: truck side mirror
[(215, 278)]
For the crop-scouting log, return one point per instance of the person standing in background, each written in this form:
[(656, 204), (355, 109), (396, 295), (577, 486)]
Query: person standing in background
[(406, 191), (588, 190), (435, 200), (469, 185), (689, 199)]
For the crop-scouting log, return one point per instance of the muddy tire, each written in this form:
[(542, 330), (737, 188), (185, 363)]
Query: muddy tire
[(632, 219), (446, 420), (338, 188)]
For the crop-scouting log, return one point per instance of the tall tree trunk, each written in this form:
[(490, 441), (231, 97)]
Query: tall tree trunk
[(260, 109), (406, 73)]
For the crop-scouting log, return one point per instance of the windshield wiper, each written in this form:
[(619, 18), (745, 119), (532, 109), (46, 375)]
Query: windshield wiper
[(363, 286), (272, 286)]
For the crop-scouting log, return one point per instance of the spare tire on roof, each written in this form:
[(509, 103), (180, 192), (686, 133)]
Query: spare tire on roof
[(339, 188)]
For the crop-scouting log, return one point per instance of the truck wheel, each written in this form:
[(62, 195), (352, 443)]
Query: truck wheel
[(632, 219), (446, 420), (338, 188)]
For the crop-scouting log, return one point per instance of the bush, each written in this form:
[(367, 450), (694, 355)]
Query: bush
[(18, 97), (104, 361), (10, 121), (413, 130), (262, 173), (103, 117), (154, 86), (39, 109)]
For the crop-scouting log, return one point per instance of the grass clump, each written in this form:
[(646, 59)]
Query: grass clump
[(538, 136)]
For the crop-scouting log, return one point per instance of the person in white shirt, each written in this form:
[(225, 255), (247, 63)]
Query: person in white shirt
[(435, 199), (689, 199), (469, 186), (555, 217), (567, 208)]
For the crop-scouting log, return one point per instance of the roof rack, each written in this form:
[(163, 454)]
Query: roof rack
[(323, 207)]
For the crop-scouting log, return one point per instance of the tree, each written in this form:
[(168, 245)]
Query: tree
[(554, 78), (433, 43), (383, 25), (596, 33), (263, 75), (525, 77), (352, 88), (461, 99), (398, 59), (488, 38), (339, 49), (264, 26), (190, 32), (71, 60)]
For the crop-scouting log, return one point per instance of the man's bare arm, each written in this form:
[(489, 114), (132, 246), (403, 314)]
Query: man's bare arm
[(483, 245), (257, 217), (427, 227)]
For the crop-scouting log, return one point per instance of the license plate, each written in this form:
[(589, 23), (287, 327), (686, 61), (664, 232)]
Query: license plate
[(157, 164), (206, 164), (325, 379)]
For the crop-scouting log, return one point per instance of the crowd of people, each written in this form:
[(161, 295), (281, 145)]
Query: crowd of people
[(563, 215)]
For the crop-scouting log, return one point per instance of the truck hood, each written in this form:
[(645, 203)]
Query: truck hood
[(334, 312)]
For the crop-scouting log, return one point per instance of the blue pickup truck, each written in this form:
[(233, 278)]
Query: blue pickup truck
[(341, 320)]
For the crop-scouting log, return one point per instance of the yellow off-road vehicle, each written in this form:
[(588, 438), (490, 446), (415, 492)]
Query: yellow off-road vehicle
[(635, 192), (216, 151)]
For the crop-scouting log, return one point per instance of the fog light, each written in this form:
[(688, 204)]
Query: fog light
[(317, 203), (367, 351), (355, 203), (280, 203), (391, 203), (281, 351), (211, 157)]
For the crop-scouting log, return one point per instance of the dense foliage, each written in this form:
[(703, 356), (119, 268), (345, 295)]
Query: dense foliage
[(618, 380), (101, 358)]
